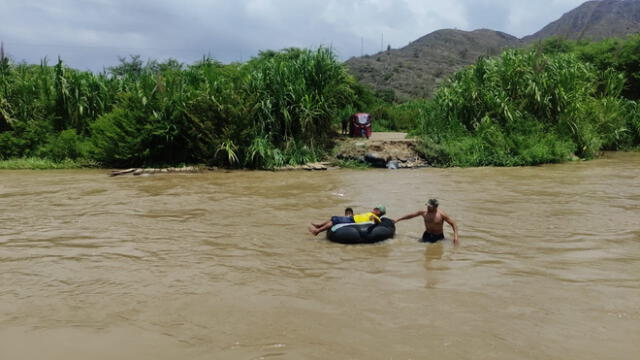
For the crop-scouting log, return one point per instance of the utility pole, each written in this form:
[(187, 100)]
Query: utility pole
[(362, 46)]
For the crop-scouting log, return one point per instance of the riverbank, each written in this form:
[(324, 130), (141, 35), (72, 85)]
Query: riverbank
[(392, 150), (47, 164), (37, 163), (383, 149)]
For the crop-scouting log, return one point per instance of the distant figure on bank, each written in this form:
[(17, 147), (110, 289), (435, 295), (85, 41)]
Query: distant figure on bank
[(373, 216), (345, 126), (434, 220)]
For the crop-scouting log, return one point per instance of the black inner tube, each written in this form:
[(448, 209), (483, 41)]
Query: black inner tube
[(363, 233)]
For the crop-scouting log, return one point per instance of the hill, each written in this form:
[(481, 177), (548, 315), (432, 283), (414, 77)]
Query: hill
[(594, 20), (416, 69)]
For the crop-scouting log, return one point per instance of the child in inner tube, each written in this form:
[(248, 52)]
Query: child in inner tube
[(349, 218)]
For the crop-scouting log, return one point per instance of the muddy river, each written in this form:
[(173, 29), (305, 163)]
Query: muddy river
[(220, 265)]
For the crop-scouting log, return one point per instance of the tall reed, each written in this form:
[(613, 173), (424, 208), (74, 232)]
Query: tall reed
[(525, 108), (277, 109)]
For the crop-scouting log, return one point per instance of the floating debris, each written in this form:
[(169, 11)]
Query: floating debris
[(152, 171)]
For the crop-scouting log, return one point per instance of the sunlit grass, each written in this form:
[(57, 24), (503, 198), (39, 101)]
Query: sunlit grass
[(33, 163)]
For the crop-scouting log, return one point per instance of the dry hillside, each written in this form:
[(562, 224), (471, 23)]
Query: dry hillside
[(416, 69)]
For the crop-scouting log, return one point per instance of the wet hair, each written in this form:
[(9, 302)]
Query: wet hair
[(433, 203), (348, 211)]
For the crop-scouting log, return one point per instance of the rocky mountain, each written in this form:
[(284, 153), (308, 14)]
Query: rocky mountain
[(416, 69), (595, 20)]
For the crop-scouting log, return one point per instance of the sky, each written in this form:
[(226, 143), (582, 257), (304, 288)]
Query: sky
[(93, 34)]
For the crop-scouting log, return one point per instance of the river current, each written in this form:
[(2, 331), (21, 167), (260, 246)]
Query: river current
[(221, 266)]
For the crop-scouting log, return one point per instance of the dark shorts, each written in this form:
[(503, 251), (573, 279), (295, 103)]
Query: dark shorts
[(431, 238), (342, 220)]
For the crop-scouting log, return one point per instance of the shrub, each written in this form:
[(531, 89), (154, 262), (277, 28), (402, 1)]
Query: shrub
[(65, 145), (526, 108)]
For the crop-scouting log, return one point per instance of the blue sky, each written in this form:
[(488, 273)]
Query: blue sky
[(91, 34)]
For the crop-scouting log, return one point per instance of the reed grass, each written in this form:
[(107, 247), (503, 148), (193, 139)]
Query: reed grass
[(279, 108), (34, 163), (527, 108)]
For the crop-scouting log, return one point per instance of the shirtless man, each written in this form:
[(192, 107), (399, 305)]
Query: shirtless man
[(434, 222)]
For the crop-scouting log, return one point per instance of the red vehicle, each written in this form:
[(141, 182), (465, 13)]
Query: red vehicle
[(361, 125)]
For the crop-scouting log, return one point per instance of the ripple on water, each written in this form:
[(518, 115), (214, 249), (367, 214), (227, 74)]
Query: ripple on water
[(548, 259)]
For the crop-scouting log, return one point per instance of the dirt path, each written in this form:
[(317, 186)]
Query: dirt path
[(380, 149), (389, 136)]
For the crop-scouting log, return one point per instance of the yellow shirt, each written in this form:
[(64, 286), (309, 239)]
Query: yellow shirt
[(364, 218)]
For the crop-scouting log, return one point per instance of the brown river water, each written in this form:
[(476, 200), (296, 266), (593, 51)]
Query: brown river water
[(220, 265)]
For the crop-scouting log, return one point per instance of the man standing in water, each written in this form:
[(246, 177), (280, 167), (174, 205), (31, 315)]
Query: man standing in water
[(434, 222)]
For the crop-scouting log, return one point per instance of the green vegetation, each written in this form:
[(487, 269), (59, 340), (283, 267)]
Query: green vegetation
[(403, 117), (43, 164), (545, 104), (352, 164), (277, 109), (621, 55), (534, 106)]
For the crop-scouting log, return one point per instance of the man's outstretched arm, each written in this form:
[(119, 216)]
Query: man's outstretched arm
[(409, 216)]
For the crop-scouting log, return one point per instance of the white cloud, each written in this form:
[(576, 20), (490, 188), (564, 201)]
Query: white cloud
[(92, 33)]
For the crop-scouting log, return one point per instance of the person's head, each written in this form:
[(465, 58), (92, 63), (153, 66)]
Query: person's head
[(348, 212), (379, 210), (432, 204)]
